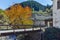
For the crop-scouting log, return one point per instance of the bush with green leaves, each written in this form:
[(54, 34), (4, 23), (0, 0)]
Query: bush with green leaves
[(52, 34)]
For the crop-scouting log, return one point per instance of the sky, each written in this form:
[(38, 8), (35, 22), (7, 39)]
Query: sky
[(7, 3)]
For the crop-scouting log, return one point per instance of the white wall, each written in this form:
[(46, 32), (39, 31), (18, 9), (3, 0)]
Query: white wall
[(56, 15)]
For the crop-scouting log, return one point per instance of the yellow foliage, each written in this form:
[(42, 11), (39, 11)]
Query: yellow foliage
[(19, 15), (27, 22), (28, 12)]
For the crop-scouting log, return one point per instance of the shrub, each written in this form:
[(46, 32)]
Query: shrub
[(52, 34)]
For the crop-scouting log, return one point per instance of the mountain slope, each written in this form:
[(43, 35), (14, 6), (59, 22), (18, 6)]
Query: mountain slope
[(33, 4)]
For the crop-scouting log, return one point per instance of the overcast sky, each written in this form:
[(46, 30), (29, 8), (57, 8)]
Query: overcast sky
[(6, 3)]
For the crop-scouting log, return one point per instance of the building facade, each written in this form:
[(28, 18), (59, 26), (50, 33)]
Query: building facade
[(56, 13)]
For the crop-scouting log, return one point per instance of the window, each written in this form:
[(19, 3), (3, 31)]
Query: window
[(58, 4)]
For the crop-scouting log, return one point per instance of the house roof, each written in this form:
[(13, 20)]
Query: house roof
[(41, 17)]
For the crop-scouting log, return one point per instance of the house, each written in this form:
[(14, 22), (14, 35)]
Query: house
[(42, 20)]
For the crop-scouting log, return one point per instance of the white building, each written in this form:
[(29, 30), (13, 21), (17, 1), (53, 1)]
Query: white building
[(56, 13)]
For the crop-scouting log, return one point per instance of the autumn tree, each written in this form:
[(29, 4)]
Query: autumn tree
[(19, 15), (14, 13), (27, 16)]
